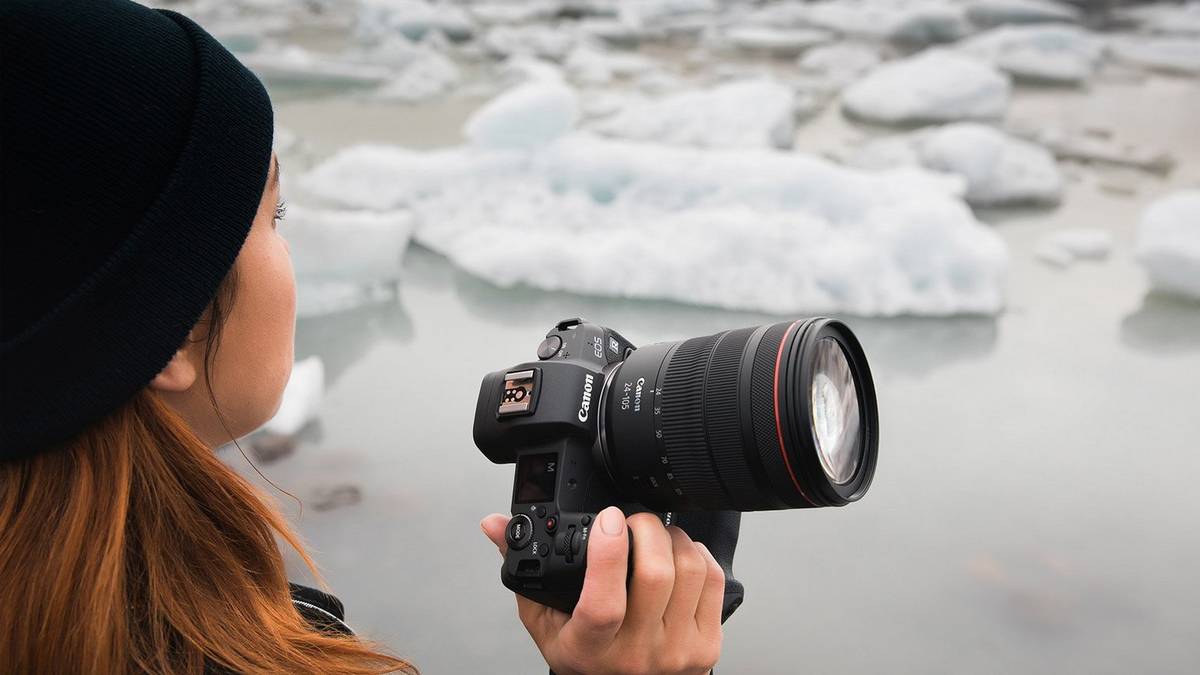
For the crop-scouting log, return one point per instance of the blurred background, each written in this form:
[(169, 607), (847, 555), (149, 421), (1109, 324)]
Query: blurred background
[(1001, 197)]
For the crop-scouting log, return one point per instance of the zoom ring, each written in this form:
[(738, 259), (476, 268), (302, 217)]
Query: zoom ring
[(682, 403), (722, 419)]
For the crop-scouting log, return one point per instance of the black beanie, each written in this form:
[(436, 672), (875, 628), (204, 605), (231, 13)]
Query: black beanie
[(134, 152)]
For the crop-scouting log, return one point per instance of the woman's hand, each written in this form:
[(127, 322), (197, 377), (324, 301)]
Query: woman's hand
[(669, 622)]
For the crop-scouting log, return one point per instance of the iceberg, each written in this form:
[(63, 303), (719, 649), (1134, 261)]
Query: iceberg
[(414, 19), (357, 246), (1064, 247), (1168, 243), (776, 41), (741, 229), (301, 398), (999, 170), (840, 63), (750, 113), (996, 12), (527, 115), (1055, 54), (935, 85), (1178, 55)]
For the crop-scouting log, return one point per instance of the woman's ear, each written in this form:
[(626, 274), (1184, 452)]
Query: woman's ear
[(179, 374)]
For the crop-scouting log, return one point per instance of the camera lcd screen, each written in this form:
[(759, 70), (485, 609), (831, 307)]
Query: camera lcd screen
[(535, 478)]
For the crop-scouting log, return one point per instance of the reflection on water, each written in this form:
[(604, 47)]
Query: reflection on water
[(1014, 524), (1164, 324)]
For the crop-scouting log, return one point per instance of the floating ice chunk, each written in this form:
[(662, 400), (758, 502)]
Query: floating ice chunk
[(1167, 54), (511, 11), (612, 31), (413, 18), (1168, 243), (646, 13), (357, 246), (712, 227), (529, 40), (1064, 247), (842, 62), (918, 22), (751, 113), (776, 41), (292, 64), (301, 398), (996, 12), (933, 86), (591, 65), (999, 169), (1046, 53), (428, 76), (528, 115), (1165, 18)]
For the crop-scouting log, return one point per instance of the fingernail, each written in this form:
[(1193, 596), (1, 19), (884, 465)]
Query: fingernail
[(612, 521)]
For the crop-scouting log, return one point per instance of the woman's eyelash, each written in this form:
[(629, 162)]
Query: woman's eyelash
[(281, 210)]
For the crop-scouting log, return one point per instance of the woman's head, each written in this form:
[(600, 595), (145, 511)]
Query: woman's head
[(227, 377), (148, 315)]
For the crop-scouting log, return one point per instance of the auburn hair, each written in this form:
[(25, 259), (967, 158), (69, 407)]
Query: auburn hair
[(132, 548)]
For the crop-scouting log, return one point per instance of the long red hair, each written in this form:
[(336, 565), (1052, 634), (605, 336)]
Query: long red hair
[(133, 548)]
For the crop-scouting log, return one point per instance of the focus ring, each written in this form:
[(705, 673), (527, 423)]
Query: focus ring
[(722, 420), (682, 403)]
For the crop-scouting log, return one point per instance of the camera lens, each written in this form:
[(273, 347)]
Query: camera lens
[(834, 409), (768, 417)]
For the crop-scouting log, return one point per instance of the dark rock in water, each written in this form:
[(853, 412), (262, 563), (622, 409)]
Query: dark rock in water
[(335, 496), (267, 448)]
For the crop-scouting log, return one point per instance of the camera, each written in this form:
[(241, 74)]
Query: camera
[(779, 416)]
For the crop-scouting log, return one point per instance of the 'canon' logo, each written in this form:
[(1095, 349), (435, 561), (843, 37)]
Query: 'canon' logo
[(586, 405)]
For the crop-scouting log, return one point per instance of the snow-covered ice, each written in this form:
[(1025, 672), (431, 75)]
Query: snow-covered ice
[(749, 113), (301, 398), (1168, 243), (1051, 53), (841, 62), (527, 115), (1180, 55), (916, 22), (996, 12), (936, 85), (776, 41), (413, 18), (999, 170), (711, 227), (346, 245), (1063, 247)]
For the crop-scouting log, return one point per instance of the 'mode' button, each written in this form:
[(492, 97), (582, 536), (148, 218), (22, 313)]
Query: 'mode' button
[(519, 532)]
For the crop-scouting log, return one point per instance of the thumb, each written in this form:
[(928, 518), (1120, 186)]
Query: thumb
[(493, 528), (601, 607)]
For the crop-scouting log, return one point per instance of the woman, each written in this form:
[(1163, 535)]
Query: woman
[(148, 317)]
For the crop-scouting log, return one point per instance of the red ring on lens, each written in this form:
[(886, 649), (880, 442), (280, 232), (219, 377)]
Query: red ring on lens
[(778, 424)]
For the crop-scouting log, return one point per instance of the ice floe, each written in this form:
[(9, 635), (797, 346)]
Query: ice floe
[(1179, 55), (842, 62), (346, 245), (1165, 18), (713, 227), (531, 40), (936, 85), (295, 65), (1168, 243), (592, 65), (999, 170), (996, 12), (528, 115), (750, 113), (301, 398), (1054, 53), (1064, 247), (916, 22), (776, 41), (413, 18)]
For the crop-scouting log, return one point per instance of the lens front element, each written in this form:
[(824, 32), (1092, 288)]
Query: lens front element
[(834, 408)]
